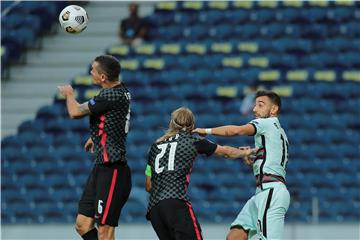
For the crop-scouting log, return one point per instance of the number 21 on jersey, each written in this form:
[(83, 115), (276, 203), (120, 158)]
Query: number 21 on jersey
[(171, 158)]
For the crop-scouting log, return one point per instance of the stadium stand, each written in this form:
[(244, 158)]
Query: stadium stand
[(203, 55)]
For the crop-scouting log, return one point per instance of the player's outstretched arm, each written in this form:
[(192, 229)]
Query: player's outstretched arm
[(231, 152), (229, 130), (75, 109)]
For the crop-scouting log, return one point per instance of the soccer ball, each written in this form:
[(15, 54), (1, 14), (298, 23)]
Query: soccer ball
[(73, 19)]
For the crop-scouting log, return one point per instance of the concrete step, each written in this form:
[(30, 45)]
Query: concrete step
[(68, 42), (15, 105), (11, 121), (64, 59), (27, 90), (48, 74)]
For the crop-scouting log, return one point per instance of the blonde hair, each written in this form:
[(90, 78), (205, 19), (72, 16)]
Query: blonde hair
[(182, 119)]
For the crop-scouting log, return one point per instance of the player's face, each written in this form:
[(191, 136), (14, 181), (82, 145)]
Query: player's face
[(263, 107), (96, 75)]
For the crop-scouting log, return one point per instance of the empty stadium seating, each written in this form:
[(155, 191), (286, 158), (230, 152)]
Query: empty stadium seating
[(309, 53)]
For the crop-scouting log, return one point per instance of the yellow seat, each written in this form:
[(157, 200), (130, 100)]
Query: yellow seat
[(119, 50), (270, 75), (196, 48), (193, 5), (262, 62), (297, 75), (235, 62), (170, 48), (130, 64), (268, 4), (243, 4), (166, 5), (156, 63), (319, 3), (83, 80), (221, 47), (218, 4), (344, 2), (283, 91), (146, 49), (351, 76), (327, 75), (248, 47), (293, 3), (226, 91)]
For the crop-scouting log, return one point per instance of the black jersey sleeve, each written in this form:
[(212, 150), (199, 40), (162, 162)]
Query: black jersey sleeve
[(99, 105), (204, 146)]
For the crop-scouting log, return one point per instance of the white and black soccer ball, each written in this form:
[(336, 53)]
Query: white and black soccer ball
[(73, 19)]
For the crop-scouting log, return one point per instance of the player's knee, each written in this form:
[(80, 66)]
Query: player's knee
[(82, 227), (83, 224), (106, 232)]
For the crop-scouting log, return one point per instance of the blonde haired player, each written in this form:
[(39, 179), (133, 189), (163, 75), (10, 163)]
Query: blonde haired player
[(168, 172)]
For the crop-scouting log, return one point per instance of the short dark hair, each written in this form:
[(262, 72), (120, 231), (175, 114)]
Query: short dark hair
[(109, 66), (272, 95)]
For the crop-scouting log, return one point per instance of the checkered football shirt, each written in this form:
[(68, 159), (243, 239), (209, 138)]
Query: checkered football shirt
[(170, 164), (109, 123)]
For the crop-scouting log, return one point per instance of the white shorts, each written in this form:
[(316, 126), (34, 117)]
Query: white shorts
[(264, 213)]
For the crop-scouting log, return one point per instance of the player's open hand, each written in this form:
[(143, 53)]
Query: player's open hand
[(66, 90), (200, 131), (249, 155), (89, 145)]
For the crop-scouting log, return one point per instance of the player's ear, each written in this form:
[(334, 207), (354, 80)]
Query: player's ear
[(274, 109), (103, 77)]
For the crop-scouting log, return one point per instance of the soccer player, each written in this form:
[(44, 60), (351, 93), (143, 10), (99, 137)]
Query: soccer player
[(168, 172), (263, 214), (109, 184)]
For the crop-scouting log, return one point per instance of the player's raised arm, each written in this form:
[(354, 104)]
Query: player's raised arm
[(229, 130), (75, 109)]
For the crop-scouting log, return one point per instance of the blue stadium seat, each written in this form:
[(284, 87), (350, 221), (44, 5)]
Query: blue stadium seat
[(237, 16), (221, 32), (211, 17), (273, 30), (171, 33), (49, 112), (248, 31), (291, 15), (351, 29), (186, 18), (31, 126), (315, 15), (340, 14), (294, 46), (263, 15), (349, 60)]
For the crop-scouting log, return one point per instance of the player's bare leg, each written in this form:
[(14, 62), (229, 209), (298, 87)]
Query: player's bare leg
[(84, 224), (106, 232), (237, 234)]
